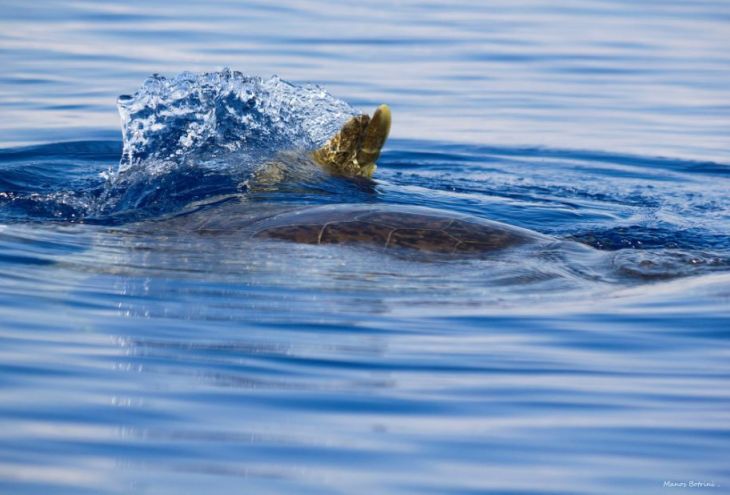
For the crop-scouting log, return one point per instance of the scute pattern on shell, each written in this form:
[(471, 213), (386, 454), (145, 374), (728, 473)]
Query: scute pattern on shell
[(391, 228)]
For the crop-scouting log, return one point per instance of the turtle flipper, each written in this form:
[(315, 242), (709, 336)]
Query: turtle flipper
[(374, 137), (352, 151)]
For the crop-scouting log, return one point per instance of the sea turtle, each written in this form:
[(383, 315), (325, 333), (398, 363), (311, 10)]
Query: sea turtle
[(352, 153), (391, 227)]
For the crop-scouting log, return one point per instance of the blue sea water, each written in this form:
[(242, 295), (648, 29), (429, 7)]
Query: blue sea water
[(139, 356)]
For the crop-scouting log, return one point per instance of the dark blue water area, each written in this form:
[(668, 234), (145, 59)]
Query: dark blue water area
[(154, 359), (142, 354)]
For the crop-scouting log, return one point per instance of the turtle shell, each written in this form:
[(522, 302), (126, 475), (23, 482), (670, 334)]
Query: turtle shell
[(392, 227)]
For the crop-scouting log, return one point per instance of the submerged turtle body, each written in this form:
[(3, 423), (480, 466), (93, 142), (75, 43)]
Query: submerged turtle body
[(392, 227), (352, 153), (388, 227)]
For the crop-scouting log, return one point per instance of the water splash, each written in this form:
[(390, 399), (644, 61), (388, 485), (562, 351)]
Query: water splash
[(217, 113), (199, 136), (189, 139)]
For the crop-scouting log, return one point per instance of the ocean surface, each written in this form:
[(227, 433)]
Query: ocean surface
[(142, 355)]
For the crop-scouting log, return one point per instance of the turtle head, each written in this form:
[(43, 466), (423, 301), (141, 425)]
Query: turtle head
[(352, 152)]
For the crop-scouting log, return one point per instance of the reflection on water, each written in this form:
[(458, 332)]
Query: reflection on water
[(150, 358)]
